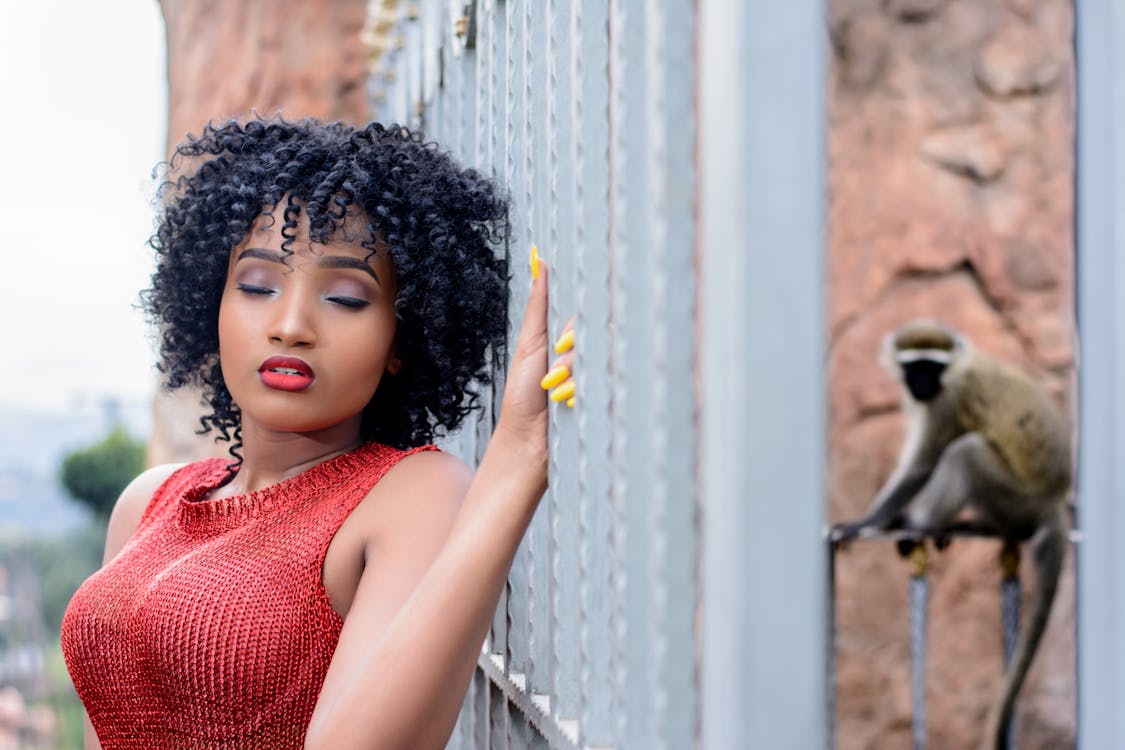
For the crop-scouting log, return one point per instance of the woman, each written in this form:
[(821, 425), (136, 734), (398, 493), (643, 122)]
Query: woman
[(337, 295)]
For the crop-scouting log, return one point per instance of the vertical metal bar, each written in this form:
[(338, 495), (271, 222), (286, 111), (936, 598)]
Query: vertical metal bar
[(456, 98), (1010, 625), (539, 671), (485, 124), (629, 375), (669, 62), (519, 730), (462, 730), (446, 118), (466, 96), (425, 101), (483, 78), (762, 439), (537, 741), (499, 153), (497, 718), (480, 738), (469, 714), (919, 617), (518, 581), (830, 642), (480, 426), (425, 113), (592, 324), (499, 146), (1101, 326), (414, 55), (560, 250), (460, 88)]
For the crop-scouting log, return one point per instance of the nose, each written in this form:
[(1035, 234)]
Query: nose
[(293, 324)]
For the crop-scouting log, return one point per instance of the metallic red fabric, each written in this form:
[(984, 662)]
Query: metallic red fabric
[(212, 627)]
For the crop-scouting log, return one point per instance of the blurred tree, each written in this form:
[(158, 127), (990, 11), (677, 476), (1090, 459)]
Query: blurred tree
[(60, 564), (95, 475)]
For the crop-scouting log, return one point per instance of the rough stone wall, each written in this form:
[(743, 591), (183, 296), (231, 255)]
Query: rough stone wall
[(951, 167), (229, 58)]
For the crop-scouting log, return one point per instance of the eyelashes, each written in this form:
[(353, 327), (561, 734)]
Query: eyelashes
[(352, 303), (251, 289)]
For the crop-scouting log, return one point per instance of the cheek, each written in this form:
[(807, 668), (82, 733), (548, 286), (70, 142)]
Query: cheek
[(226, 334), (232, 336), (368, 363)]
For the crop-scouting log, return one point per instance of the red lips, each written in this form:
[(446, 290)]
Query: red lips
[(286, 373)]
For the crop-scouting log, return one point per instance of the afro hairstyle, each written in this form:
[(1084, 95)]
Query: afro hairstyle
[(444, 227)]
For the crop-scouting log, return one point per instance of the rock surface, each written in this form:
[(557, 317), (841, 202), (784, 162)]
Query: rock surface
[(228, 58), (951, 166)]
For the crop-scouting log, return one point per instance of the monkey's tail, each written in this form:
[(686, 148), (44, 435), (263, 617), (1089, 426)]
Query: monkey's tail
[(1049, 549)]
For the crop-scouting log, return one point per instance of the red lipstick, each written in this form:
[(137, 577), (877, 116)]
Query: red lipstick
[(286, 373)]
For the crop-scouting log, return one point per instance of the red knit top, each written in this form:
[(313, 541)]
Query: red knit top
[(212, 627)]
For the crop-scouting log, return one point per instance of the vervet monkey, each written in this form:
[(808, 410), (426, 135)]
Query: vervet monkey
[(981, 434)]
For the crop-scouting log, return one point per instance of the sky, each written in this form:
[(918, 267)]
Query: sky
[(84, 101)]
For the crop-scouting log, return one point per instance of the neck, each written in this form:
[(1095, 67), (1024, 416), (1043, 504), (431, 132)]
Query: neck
[(270, 456)]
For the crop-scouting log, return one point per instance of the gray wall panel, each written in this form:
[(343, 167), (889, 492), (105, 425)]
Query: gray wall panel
[(1101, 372), (762, 437)]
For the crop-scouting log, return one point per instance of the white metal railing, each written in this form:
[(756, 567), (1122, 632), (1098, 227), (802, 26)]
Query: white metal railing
[(589, 112)]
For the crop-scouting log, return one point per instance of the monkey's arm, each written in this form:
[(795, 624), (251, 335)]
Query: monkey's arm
[(888, 504)]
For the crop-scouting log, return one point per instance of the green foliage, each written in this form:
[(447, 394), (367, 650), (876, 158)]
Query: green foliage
[(60, 564), (46, 571), (62, 699), (95, 475)]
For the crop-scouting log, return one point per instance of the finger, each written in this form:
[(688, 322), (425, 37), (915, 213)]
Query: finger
[(565, 361), (565, 342), (533, 331), (559, 382), (563, 393)]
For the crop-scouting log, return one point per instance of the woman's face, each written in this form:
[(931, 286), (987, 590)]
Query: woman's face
[(304, 339)]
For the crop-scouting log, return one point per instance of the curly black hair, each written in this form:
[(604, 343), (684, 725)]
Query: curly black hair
[(444, 226)]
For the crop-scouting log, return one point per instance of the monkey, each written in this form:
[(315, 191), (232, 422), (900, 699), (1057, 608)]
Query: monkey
[(982, 435)]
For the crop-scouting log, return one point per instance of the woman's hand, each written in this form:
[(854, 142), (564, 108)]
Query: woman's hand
[(523, 412)]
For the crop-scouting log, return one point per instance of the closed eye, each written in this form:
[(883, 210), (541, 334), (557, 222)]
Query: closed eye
[(251, 289), (353, 302)]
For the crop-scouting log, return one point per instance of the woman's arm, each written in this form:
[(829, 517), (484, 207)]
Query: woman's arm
[(402, 685)]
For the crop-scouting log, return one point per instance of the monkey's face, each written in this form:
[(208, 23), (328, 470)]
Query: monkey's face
[(921, 351), (922, 376)]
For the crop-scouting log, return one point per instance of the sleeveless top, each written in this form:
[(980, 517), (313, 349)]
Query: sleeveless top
[(212, 627)]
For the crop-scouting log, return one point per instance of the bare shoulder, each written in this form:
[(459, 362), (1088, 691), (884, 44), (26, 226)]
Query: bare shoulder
[(428, 469), (130, 506), (424, 488)]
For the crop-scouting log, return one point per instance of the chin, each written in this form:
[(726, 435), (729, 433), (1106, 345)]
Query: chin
[(292, 424), (300, 413)]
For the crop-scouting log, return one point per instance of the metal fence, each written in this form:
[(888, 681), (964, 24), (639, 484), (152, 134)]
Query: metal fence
[(619, 627), (667, 157)]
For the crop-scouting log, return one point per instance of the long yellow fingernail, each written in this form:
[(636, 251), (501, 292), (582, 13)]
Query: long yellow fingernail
[(570, 402), (563, 392), (534, 262), (553, 377), (565, 342)]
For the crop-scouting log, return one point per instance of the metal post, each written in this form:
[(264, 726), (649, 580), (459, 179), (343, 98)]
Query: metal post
[(1010, 616), (919, 617), (761, 105), (1100, 208), (830, 642)]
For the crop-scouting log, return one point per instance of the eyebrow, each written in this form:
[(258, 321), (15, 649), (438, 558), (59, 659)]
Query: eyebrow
[(324, 261)]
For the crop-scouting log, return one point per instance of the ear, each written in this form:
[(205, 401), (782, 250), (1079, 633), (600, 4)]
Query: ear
[(394, 364)]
